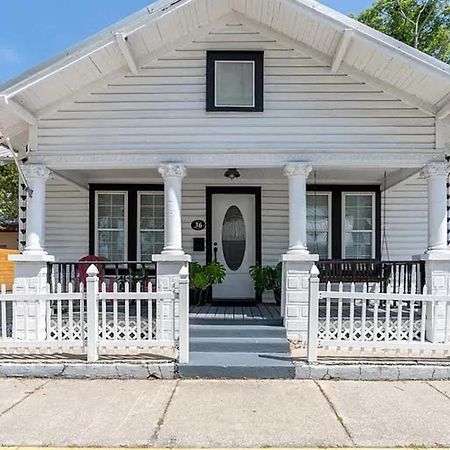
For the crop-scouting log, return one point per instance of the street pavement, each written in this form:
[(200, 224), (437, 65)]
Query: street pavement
[(223, 413)]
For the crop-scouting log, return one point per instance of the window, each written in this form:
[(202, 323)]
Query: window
[(235, 81), (126, 221), (358, 225), (344, 222), (318, 223), (111, 224), (150, 224)]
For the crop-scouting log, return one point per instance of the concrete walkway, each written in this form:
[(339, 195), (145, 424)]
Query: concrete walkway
[(217, 413)]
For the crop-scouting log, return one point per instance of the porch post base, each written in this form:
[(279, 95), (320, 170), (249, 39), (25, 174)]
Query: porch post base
[(295, 293), (30, 276), (168, 268), (437, 273)]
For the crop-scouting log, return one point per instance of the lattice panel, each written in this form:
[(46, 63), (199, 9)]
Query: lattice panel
[(119, 333), (367, 333), (112, 332)]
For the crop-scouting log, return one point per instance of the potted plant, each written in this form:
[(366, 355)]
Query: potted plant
[(202, 277), (267, 279)]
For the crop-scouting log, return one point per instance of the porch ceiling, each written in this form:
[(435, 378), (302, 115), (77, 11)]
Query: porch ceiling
[(323, 175)]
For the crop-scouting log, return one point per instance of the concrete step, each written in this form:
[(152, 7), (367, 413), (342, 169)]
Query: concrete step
[(239, 344), (238, 365), (237, 331)]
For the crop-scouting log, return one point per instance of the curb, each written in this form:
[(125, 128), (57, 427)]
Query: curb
[(373, 371), (82, 370)]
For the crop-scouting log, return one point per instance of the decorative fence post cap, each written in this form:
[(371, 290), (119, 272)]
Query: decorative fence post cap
[(92, 270), (314, 271), (184, 272)]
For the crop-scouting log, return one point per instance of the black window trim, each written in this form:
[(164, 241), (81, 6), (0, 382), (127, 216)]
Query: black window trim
[(336, 213), (257, 57), (132, 190)]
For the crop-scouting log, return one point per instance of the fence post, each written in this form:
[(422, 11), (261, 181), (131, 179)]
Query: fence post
[(313, 315), (92, 313), (184, 316)]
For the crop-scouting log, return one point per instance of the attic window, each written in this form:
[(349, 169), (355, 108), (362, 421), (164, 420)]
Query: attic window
[(234, 81)]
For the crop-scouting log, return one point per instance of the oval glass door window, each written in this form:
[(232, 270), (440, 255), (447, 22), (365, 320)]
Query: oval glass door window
[(233, 238)]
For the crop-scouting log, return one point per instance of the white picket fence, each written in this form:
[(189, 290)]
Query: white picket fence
[(94, 319), (353, 318)]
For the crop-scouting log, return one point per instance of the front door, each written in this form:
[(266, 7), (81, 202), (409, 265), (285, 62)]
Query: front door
[(233, 226)]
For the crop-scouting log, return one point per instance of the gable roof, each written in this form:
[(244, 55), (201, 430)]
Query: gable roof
[(343, 43)]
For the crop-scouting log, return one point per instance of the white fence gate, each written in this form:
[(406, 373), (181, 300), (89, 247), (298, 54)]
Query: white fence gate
[(94, 319), (356, 319)]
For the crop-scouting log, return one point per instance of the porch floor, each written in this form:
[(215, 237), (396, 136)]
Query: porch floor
[(259, 312)]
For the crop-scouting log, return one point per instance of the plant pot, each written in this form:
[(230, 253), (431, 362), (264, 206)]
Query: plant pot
[(197, 297), (277, 295)]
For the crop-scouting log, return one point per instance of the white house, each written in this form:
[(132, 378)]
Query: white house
[(337, 135)]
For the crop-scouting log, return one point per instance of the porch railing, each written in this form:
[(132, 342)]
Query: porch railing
[(399, 277), (110, 272)]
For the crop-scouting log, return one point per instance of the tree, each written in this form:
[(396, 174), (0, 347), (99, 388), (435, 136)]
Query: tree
[(422, 24), (9, 194)]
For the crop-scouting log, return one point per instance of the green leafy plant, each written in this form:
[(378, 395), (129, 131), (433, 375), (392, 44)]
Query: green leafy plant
[(260, 279), (215, 273), (9, 195), (198, 277), (202, 277), (422, 24), (267, 278)]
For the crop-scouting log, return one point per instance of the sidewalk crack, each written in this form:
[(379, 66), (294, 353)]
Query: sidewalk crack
[(438, 390), (338, 417), (161, 420), (38, 388)]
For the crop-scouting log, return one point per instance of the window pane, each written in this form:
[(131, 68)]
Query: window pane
[(358, 245), (111, 245), (358, 226), (151, 225), (233, 238), (234, 83), (317, 224), (111, 226)]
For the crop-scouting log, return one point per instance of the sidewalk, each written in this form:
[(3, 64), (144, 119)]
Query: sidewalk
[(218, 413)]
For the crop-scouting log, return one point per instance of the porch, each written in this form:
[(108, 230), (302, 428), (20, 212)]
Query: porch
[(389, 207), (255, 219)]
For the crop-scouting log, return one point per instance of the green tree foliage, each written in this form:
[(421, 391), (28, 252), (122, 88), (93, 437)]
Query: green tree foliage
[(9, 194), (422, 24)]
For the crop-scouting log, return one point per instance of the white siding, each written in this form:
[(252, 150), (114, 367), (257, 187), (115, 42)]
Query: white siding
[(307, 108), (406, 220), (67, 221)]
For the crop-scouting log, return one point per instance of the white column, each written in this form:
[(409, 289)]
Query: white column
[(436, 175), (297, 262), (297, 174), (172, 261), (437, 255), (30, 268), (173, 175), (36, 176)]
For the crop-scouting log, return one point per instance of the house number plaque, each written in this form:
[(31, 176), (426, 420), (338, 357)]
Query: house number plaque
[(198, 225)]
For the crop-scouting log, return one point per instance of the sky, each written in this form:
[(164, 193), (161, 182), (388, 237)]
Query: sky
[(33, 31)]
